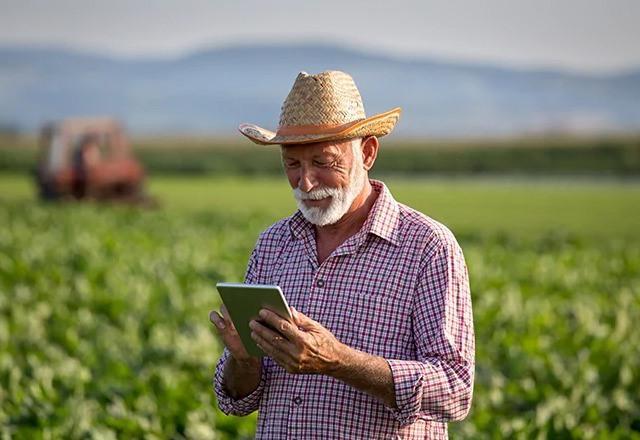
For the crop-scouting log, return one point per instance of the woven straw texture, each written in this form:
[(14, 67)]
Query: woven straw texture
[(323, 107), (328, 98)]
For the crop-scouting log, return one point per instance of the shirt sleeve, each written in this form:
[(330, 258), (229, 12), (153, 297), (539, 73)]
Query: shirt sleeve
[(438, 385), (250, 403), (226, 403)]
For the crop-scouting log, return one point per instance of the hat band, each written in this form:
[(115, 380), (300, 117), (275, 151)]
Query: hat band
[(296, 130)]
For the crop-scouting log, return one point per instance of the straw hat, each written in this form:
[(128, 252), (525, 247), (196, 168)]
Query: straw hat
[(322, 107)]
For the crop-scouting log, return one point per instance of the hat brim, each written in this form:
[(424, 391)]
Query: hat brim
[(378, 125)]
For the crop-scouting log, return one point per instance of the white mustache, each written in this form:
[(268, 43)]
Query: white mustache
[(316, 194)]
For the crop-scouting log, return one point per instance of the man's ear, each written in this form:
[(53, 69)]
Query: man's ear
[(370, 147)]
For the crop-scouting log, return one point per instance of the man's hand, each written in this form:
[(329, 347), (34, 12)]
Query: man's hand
[(305, 346), (229, 335), (301, 346), (242, 371)]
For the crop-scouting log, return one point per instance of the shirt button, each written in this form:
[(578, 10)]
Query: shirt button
[(297, 400), (320, 283)]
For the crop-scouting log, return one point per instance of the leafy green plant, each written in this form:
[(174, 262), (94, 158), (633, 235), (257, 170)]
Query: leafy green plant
[(104, 329)]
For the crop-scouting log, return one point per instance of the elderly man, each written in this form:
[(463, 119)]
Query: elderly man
[(381, 344)]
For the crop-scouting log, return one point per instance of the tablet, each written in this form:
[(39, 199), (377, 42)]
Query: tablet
[(244, 301)]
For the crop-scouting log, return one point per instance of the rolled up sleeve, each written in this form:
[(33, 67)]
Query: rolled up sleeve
[(438, 385), (228, 405)]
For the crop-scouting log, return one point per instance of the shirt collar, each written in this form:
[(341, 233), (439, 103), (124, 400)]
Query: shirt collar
[(383, 219)]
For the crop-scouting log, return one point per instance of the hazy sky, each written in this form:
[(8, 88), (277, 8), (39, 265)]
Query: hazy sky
[(595, 35)]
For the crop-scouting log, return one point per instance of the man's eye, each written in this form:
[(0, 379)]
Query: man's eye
[(320, 163), (292, 164)]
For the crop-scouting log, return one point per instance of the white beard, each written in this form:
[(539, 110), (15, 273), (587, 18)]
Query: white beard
[(341, 199)]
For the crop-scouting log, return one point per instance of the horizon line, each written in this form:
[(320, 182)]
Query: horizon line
[(329, 44)]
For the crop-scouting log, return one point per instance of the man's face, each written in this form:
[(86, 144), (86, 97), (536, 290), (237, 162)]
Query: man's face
[(326, 178)]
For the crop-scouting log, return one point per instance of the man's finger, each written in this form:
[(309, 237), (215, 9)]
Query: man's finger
[(284, 326), (229, 336), (265, 332), (227, 318), (271, 338), (275, 347), (217, 320), (264, 344)]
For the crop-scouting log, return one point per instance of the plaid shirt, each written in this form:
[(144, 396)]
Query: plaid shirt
[(397, 289)]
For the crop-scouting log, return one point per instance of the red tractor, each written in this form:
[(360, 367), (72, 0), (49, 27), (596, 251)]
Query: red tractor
[(88, 158)]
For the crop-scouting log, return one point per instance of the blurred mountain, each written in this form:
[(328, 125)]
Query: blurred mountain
[(212, 91)]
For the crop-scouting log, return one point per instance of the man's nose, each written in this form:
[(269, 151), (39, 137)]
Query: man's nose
[(307, 180)]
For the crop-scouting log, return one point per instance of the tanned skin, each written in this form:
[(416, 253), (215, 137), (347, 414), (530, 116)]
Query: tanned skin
[(304, 345)]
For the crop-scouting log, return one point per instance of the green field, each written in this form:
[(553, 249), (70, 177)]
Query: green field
[(103, 310), (612, 155)]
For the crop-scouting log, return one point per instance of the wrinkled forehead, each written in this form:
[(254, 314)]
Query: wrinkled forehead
[(329, 148)]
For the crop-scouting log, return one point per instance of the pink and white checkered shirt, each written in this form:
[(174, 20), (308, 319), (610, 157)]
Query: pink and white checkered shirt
[(397, 289)]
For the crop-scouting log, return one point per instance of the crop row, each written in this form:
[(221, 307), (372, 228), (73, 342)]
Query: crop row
[(104, 329)]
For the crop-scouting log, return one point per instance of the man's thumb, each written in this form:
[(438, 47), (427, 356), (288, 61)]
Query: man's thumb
[(300, 319)]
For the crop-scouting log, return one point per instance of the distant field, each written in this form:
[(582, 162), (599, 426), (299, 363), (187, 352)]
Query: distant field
[(103, 309), (604, 155), (523, 207)]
